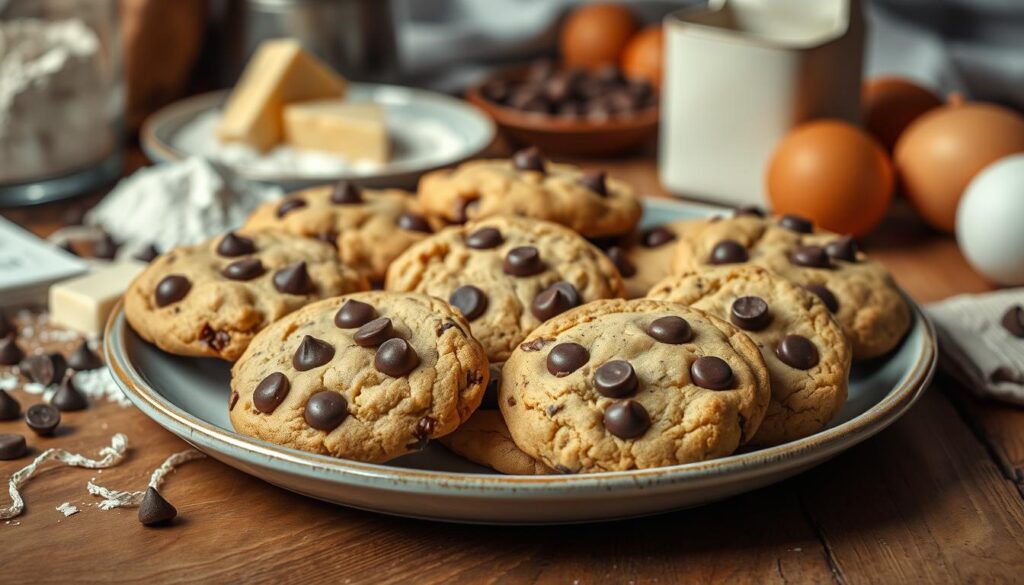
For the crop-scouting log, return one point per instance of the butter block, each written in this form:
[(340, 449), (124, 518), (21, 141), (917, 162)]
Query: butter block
[(354, 130), (85, 303), (280, 72)]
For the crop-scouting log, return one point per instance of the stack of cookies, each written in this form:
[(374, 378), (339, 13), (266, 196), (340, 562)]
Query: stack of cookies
[(503, 328)]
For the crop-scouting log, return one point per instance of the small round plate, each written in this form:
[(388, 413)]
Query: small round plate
[(188, 397), (466, 131)]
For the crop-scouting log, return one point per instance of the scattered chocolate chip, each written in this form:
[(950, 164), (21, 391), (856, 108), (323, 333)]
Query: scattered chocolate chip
[(728, 252), (1003, 374), (566, 358), (749, 210), (555, 300), (312, 353), (529, 159), (658, 236), (147, 254), (798, 352), (244, 269), (1013, 321), (155, 510), (523, 261), (271, 392), (354, 314), (615, 379), (750, 313), (465, 209), (10, 351), (413, 222), (42, 419), (289, 205), (233, 245), (171, 289), (345, 193), (621, 261), (490, 399), (826, 296), (6, 326), (796, 223), (844, 248), (105, 248), (671, 329), (485, 239), (711, 372), (424, 428), (84, 358), (595, 181), (232, 400), (811, 257), (293, 279), (325, 410), (395, 357), (626, 419), (44, 368), (374, 332), (68, 398), (469, 300), (535, 345), (10, 408), (12, 446)]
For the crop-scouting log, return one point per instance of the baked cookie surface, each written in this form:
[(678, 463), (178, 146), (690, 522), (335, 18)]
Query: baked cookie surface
[(616, 385), (369, 228), (368, 376), (807, 354), (507, 275), (212, 298), (591, 204)]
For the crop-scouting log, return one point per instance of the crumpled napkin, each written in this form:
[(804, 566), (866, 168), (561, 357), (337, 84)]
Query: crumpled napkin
[(976, 348)]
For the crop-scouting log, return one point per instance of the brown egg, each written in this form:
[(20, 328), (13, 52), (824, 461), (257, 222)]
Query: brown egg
[(596, 34), (940, 152), (643, 55), (832, 173), (891, 104)]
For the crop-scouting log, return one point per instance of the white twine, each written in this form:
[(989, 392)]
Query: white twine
[(109, 457), (118, 499)]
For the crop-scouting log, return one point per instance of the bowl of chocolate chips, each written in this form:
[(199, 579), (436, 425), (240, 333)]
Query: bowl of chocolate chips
[(570, 111)]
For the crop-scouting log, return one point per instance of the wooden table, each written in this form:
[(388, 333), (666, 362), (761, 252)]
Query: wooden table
[(937, 497)]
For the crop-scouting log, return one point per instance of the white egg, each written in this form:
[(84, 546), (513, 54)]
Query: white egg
[(990, 221)]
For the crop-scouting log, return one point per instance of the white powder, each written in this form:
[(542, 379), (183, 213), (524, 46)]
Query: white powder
[(99, 384), (68, 509)]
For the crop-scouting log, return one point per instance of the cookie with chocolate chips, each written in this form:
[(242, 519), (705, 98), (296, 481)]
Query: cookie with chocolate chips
[(369, 227), (807, 355), (212, 298), (506, 275), (593, 204), (367, 376), (645, 257), (616, 385)]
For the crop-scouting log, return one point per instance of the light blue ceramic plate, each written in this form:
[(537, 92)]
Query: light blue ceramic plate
[(189, 398)]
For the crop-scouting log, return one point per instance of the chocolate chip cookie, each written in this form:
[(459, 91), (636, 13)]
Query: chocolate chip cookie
[(506, 275), (212, 298), (367, 376), (807, 355), (590, 203), (645, 257), (859, 292), (369, 228), (616, 385)]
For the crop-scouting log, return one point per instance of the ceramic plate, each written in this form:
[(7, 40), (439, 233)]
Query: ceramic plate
[(189, 396), (427, 131)]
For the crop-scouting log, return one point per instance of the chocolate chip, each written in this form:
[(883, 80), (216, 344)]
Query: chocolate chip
[(566, 358), (374, 333), (325, 410), (171, 289), (844, 248), (289, 205), (555, 300), (424, 428), (528, 159), (233, 245), (749, 210), (216, 340), (232, 400), (84, 358), (811, 257), (621, 261), (826, 296), (155, 510), (615, 379), (729, 252), (10, 352), (490, 399), (626, 419), (147, 254), (312, 353), (796, 223), (465, 209), (293, 279), (271, 392), (523, 261), (535, 345), (658, 236), (671, 329), (6, 326), (485, 239), (10, 408), (798, 352), (595, 181), (395, 357), (750, 313), (105, 248), (42, 419), (244, 269), (469, 300), (12, 446), (413, 222), (68, 398), (1013, 321), (711, 372), (354, 314), (45, 368), (345, 193)]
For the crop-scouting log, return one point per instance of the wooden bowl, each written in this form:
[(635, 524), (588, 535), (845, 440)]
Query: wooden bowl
[(555, 135)]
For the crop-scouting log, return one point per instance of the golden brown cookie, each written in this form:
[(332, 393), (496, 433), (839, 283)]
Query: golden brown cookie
[(645, 257)]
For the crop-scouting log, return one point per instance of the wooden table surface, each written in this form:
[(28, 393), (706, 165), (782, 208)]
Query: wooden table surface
[(937, 497)]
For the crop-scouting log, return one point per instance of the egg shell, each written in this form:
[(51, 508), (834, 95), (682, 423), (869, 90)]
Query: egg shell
[(939, 154), (642, 58), (596, 35), (990, 221), (890, 105)]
